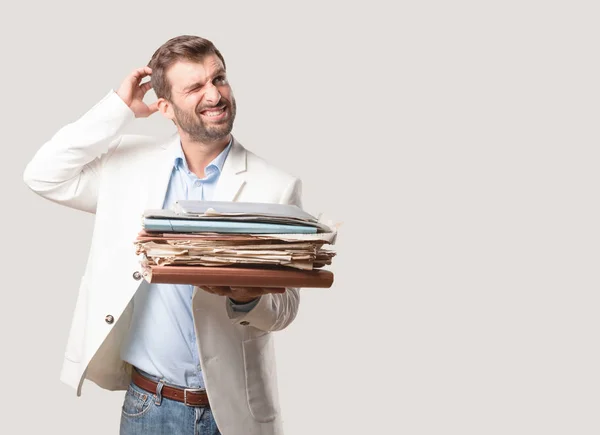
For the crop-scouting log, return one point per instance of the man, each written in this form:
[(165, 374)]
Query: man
[(191, 359)]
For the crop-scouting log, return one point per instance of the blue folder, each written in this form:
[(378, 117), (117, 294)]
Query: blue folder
[(195, 226)]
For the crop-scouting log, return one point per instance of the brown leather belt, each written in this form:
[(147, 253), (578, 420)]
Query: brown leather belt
[(189, 396)]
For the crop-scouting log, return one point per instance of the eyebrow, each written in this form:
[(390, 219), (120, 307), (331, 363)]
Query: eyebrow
[(193, 85)]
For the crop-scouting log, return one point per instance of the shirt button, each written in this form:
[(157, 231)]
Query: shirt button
[(244, 323), (109, 319), (137, 276)]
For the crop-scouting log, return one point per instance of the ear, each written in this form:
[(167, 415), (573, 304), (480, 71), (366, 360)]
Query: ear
[(164, 106)]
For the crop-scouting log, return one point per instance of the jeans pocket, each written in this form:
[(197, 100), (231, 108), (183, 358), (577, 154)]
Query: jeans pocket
[(137, 402), (261, 378)]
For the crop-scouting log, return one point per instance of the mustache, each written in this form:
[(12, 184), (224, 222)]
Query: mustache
[(222, 103)]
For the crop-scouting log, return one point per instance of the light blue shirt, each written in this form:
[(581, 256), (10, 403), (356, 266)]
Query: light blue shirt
[(162, 339)]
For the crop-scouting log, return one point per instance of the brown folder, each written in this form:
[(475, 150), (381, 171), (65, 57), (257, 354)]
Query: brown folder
[(238, 276)]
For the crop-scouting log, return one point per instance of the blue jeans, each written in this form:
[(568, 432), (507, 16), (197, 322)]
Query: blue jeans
[(151, 414)]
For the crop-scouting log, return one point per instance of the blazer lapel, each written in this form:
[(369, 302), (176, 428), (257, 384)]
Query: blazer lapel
[(160, 173), (231, 181)]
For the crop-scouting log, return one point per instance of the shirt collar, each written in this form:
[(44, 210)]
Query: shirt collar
[(217, 162)]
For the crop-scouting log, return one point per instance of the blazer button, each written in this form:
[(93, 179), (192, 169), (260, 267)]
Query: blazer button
[(109, 319), (244, 323), (137, 276)]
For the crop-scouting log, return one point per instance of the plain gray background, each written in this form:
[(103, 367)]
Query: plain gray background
[(456, 141)]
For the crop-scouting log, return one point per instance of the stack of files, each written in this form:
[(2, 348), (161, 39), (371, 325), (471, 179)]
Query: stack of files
[(234, 217), (235, 244)]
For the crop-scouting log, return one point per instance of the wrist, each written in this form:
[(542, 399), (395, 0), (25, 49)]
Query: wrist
[(125, 100)]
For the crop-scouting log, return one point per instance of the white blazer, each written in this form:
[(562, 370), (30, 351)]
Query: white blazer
[(88, 165)]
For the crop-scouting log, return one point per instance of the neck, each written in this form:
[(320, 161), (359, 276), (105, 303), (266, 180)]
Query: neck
[(199, 154)]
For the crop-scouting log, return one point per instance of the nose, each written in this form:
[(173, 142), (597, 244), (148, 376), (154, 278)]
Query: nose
[(212, 94)]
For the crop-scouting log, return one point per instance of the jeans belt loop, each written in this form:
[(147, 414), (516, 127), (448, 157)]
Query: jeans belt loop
[(158, 393)]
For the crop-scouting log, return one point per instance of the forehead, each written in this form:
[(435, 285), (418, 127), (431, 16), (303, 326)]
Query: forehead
[(184, 72)]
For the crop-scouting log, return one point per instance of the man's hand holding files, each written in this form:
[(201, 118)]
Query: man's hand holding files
[(242, 295)]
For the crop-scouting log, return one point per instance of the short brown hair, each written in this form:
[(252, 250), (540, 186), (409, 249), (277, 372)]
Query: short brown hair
[(184, 47)]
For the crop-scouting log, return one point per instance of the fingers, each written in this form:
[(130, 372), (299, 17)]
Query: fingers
[(145, 87), (153, 107), (138, 74), (257, 291), (217, 290), (242, 291), (245, 292), (206, 288)]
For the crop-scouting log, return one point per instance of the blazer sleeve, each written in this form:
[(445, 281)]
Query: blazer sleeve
[(67, 168), (274, 311)]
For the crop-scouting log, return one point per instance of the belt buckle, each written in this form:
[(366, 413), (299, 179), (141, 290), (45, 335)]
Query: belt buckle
[(192, 390)]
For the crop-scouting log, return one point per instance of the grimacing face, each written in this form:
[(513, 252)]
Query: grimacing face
[(202, 103)]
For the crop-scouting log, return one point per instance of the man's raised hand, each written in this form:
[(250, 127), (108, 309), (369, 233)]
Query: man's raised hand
[(132, 93)]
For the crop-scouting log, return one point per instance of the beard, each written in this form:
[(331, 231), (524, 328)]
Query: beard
[(200, 131)]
